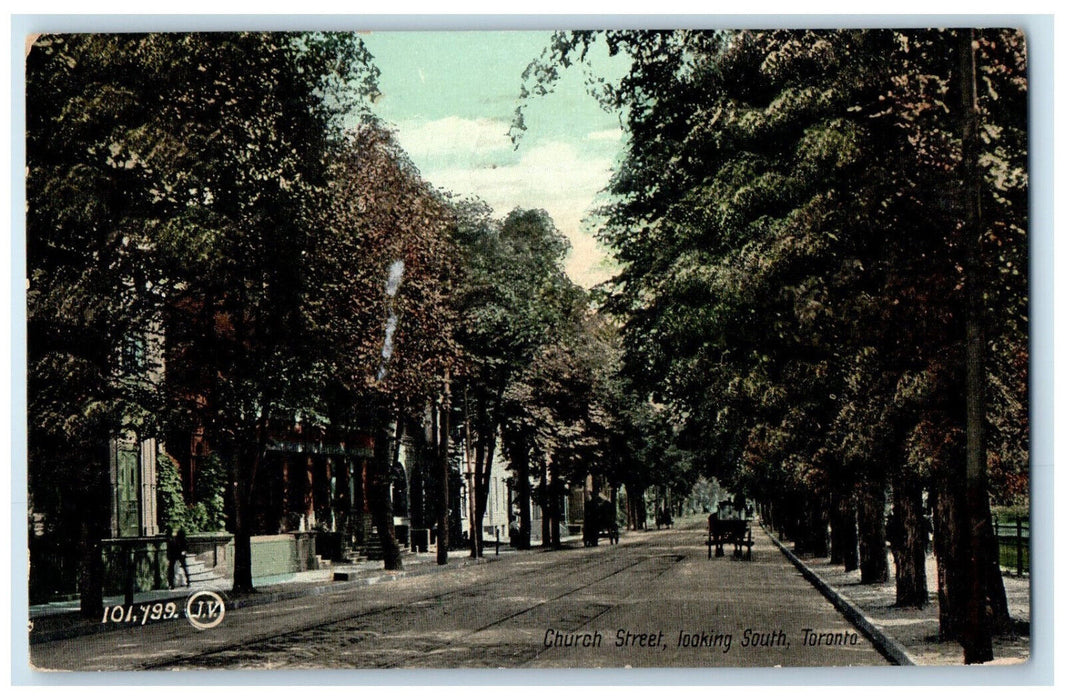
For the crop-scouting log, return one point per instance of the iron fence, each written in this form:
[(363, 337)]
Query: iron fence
[(1014, 550)]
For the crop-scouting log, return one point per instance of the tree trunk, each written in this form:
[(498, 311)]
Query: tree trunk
[(346, 506), (641, 510), (630, 508), (247, 457), (487, 431), (997, 604), (93, 518), (613, 507), (483, 481), (472, 472), (545, 507), (766, 514), (90, 572), (812, 539), (909, 540), (474, 495), (554, 496), (381, 496), (953, 542), (872, 538), (836, 526), (845, 532), (939, 504), (590, 524), (242, 578), (947, 546)]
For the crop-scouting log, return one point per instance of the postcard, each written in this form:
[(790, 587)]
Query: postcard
[(584, 349)]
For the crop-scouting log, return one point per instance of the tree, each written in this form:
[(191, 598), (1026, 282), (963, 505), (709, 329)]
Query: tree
[(384, 313), (791, 290), (513, 302), (189, 160), (255, 123), (559, 410), (93, 297)]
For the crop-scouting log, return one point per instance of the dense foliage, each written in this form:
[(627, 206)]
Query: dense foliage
[(792, 218), (169, 181), (821, 234)]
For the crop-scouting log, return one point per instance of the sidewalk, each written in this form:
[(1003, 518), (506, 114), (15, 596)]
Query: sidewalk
[(913, 630), (62, 620)]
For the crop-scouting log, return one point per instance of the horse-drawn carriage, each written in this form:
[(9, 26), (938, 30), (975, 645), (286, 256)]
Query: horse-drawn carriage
[(729, 526), (600, 520)]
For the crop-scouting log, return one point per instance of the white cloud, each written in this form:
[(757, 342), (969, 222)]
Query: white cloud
[(544, 174), (554, 176), (452, 136), (605, 135)]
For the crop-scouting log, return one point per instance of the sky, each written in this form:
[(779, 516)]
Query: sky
[(451, 97)]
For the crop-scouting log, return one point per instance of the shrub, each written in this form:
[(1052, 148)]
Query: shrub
[(211, 480), (173, 513)]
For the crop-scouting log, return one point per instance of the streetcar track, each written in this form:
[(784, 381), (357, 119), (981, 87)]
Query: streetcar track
[(384, 630), (519, 613), (677, 558), (427, 600), (605, 608)]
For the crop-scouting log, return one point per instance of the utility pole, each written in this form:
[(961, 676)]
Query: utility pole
[(976, 632), (471, 489), (443, 472)]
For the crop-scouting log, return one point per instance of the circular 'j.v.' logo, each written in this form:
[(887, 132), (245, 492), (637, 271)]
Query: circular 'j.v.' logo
[(205, 609)]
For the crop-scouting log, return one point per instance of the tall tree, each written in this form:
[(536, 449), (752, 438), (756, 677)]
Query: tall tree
[(386, 327), (93, 296), (789, 285), (514, 301), (253, 122), (561, 410), (195, 154)]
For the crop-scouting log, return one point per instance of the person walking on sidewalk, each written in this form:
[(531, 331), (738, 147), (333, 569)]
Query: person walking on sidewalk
[(176, 551)]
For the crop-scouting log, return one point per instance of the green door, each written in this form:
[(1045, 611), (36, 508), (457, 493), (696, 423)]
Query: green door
[(128, 487)]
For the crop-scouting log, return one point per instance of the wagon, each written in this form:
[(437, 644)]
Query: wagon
[(721, 532)]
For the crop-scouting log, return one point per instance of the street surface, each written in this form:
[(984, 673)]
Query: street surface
[(655, 600)]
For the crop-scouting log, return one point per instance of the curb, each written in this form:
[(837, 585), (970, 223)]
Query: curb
[(81, 628), (892, 650), (351, 584)]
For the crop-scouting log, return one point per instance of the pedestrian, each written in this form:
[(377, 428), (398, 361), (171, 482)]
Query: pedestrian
[(591, 523), (176, 552), (896, 536)]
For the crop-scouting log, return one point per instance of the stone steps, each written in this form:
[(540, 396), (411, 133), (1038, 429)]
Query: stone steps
[(200, 574)]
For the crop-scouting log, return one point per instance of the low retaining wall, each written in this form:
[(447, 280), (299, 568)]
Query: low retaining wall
[(136, 564), (280, 554), (147, 558), (143, 557)]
